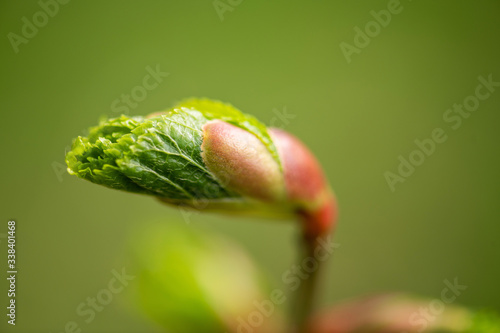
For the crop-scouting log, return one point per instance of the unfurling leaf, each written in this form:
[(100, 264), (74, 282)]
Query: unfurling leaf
[(207, 155)]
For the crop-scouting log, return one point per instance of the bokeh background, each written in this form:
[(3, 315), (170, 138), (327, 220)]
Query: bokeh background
[(267, 58)]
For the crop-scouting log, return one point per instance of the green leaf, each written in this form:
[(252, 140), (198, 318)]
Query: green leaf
[(165, 257), (163, 155), (94, 158), (160, 155), (195, 281)]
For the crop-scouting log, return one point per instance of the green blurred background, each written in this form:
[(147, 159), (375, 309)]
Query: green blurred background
[(264, 57)]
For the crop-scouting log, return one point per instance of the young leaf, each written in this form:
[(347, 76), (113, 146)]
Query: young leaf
[(208, 155)]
